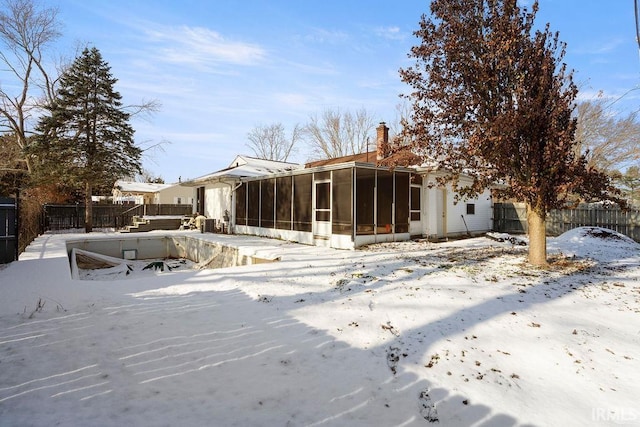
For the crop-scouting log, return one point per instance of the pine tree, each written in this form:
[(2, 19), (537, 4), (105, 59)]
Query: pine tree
[(86, 139), (492, 99)]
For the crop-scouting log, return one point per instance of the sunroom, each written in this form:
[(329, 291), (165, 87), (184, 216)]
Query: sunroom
[(343, 206)]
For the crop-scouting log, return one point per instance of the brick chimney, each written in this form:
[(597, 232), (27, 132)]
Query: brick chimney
[(382, 141)]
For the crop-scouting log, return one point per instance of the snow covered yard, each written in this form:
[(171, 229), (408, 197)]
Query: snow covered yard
[(415, 333)]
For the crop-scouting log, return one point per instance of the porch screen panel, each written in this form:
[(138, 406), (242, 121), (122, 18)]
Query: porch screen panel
[(342, 196), (241, 204), (321, 176), (253, 203), (384, 195), (302, 202), (365, 196), (402, 202), (283, 202), (267, 201)]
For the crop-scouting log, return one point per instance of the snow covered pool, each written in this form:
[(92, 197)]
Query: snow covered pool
[(116, 258)]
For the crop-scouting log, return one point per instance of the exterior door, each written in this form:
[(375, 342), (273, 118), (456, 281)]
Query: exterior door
[(415, 212), (441, 213), (200, 206), (322, 209)]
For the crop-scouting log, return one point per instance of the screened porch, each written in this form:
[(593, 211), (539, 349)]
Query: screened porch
[(344, 206)]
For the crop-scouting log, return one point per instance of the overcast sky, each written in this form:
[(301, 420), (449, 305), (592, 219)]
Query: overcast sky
[(219, 68)]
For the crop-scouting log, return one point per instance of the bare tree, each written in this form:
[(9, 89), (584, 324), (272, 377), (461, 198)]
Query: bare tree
[(629, 183), (25, 31), (270, 141), (608, 141), (146, 176), (401, 119), (336, 134)]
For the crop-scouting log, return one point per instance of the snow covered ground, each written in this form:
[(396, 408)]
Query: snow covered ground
[(401, 334)]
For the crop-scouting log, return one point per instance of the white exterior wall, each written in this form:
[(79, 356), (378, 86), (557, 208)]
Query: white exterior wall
[(217, 199), (168, 195), (442, 217), (479, 222)]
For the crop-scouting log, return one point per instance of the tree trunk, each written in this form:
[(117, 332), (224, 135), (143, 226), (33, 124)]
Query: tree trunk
[(536, 221), (88, 208)]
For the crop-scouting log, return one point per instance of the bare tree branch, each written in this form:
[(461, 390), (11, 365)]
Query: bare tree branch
[(145, 110), (608, 141), (25, 31), (270, 141), (337, 134)]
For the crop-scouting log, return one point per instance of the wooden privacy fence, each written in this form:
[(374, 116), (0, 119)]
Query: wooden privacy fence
[(65, 217), (512, 218)]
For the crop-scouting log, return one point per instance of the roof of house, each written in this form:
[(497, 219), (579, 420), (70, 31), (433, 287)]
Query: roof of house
[(246, 167), (140, 187), (402, 157)]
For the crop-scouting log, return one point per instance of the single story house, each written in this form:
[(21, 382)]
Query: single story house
[(214, 192), (345, 202), (145, 193)]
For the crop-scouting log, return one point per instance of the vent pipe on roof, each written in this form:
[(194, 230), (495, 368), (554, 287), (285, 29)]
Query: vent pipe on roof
[(382, 145)]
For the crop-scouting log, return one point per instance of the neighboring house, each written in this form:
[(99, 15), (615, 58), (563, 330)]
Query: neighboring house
[(144, 193), (343, 203)]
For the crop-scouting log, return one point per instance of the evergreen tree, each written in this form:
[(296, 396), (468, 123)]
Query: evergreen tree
[(493, 99), (86, 139)]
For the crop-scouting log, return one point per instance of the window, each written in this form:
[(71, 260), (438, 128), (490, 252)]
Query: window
[(471, 208), (415, 203)]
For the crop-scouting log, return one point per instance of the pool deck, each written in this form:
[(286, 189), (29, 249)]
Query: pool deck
[(45, 262)]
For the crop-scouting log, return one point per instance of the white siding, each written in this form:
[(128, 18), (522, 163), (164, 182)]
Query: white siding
[(476, 223), (443, 217), (169, 195), (217, 199)]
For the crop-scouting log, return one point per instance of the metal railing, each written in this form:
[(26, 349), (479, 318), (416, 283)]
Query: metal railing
[(65, 217)]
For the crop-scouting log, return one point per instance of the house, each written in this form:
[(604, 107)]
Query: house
[(214, 192), (145, 193), (342, 203)]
